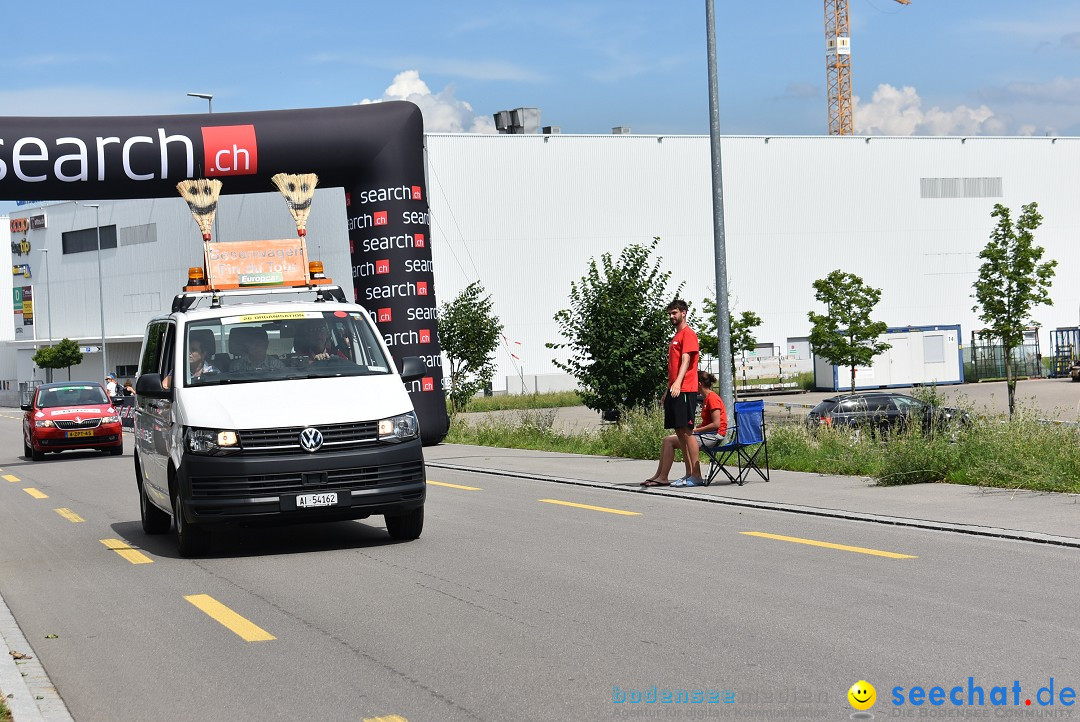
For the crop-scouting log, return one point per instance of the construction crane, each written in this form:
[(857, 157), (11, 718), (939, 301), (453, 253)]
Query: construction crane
[(838, 65)]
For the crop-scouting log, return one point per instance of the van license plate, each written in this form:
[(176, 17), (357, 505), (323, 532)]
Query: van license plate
[(72, 434), (305, 501)]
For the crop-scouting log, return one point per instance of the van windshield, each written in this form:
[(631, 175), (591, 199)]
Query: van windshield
[(257, 347)]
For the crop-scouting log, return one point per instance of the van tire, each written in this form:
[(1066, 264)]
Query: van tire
[(191, 539), (154, 520), (406, 526)]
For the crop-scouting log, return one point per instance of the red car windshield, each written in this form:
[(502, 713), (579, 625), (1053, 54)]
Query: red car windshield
[(77, 395)]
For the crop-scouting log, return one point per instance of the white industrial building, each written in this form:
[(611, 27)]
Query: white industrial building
[(148, 245), (524, 213)]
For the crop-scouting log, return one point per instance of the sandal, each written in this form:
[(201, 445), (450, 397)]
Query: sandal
[(656, 482)]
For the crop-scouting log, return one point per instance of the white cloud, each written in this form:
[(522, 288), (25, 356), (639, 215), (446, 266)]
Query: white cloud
[(443, 113), (894, 111)]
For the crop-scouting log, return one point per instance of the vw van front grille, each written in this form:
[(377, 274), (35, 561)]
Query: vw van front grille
[(239, 487), (336, 437)]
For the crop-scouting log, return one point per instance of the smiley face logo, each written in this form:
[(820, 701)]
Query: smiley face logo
[(862, 695)]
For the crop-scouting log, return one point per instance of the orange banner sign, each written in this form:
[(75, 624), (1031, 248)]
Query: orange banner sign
[(249, 264)]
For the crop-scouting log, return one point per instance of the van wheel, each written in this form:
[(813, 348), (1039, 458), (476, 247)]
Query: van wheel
[(191, 539), (154, 520), (406, 526)]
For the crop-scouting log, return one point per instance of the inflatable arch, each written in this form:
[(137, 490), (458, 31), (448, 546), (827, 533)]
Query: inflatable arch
[(375, 152)]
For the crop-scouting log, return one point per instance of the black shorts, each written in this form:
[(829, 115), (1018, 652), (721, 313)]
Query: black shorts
[(679, 411)]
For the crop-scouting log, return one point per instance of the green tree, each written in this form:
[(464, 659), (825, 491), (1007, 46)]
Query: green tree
[(64, 354), (469, 333), (845, 335), (617, 330), (1012, 282), (742, 331)]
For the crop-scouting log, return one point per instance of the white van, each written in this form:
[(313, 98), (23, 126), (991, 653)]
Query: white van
[(285, 410)]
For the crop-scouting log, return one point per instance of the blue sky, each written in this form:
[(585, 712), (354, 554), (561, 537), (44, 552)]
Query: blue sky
[(933, 67)]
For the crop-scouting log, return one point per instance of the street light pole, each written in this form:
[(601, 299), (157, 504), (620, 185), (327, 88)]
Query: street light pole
[(101, 291), (48, 304), (208, 97), (723, 318)]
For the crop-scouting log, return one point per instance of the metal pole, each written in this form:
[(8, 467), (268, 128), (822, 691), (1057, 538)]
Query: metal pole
[(48, 305), (209, 98), (48, 293), (723, 321), (101, 293)]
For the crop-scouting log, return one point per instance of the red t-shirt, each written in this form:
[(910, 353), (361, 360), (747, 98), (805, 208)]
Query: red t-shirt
[(712, 403), (685, 341)]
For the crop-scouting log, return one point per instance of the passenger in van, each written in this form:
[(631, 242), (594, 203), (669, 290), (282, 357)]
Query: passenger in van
[(253, 343), (197, 363), (313, 342)]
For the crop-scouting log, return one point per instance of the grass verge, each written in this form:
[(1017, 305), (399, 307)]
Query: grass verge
[(5, 713), (525, 401), (1022, 454)]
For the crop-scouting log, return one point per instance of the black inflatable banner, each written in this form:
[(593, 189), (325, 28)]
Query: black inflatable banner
[(375, 152)]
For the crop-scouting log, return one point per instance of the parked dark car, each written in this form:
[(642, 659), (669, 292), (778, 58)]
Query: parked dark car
[(884, 411)]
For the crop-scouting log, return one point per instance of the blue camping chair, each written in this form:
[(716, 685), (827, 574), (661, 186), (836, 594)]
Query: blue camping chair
[(747, 443)]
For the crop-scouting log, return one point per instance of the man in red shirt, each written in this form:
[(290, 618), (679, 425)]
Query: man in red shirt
[(680, 399)]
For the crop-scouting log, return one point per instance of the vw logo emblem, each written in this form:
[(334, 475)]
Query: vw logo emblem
[(310, 439)]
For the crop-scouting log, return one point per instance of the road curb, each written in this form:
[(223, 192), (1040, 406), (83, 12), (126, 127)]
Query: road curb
[(25, 704), (952, 527)]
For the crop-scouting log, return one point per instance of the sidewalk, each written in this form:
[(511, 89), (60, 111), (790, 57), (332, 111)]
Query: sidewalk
[(1044, 517)]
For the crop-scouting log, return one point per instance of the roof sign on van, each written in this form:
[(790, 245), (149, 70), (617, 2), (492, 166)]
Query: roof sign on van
[(263, 317), (238, 264)]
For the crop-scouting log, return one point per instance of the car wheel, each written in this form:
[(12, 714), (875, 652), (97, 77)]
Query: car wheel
[(406, 526), (154, 520), (34, 453), (118, 451), (191, 539), (27, 452)]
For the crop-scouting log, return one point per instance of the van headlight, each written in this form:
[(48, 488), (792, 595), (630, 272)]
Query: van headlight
[(211, 442), (399, 428)]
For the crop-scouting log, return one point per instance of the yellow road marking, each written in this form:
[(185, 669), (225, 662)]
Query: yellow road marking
[(132, 555), (593, 508), (829, 545), (35, 493), (388, 718), (69, 515), (246, 630), (452, 486), (11, 477)]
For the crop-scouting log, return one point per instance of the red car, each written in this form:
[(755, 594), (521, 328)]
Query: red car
[(71, 415)]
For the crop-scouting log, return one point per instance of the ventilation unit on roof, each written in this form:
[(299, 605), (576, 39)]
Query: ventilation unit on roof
[(518, 121), (620, 130)]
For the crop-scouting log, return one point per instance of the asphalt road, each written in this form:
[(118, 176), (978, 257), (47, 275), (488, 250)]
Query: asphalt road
[(514, 605)]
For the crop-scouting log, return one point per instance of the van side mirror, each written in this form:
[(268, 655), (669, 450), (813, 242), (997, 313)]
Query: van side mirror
[(412, 368), (150, 385)]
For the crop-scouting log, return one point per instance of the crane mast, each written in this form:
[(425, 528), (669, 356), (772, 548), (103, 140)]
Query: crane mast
[(838, 65)]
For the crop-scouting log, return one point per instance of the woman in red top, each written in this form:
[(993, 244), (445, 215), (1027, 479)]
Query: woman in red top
[(710, 431)]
